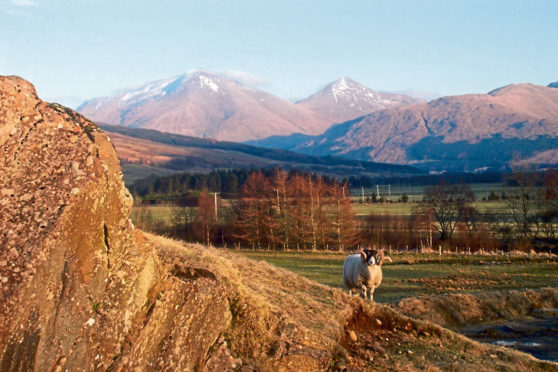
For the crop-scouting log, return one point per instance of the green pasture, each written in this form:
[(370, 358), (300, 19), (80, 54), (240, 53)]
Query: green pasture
[(163, 213), (415, 193), (422, 274), (405, 209)]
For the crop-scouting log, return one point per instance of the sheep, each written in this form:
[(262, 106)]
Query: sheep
[(364, 271)]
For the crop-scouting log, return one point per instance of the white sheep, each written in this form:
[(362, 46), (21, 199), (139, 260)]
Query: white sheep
[(364, 271)]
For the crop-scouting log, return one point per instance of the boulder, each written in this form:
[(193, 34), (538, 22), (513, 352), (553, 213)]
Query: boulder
[(80, 289)]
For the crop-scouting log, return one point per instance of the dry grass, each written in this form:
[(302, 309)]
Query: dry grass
[(459, 310), (275, 311)]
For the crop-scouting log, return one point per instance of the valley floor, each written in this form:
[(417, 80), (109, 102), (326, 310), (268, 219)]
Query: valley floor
[(413, 274)]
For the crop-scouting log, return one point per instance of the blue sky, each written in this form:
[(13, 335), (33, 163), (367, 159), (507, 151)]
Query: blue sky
[(73, 50)]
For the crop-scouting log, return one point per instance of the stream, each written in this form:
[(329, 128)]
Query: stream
[(536, 337)]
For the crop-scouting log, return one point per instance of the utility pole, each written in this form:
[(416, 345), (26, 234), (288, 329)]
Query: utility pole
[(377, 191), (389, 192), (215, 195), (278, 204), (362, 189)]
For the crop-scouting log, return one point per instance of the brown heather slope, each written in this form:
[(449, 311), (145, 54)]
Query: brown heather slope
[(81, 289), (205, 105), (144, 152)]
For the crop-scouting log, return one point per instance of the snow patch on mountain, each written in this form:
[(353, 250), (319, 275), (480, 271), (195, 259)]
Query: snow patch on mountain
[(205, 81), (353, 93), (155, 89)]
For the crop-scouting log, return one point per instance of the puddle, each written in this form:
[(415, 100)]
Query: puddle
[(536, 337)]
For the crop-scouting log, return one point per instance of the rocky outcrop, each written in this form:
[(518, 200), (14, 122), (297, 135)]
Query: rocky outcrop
[(79, 290)]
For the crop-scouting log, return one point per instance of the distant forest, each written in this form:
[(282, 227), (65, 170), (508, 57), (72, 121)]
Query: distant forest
[(230, 182)]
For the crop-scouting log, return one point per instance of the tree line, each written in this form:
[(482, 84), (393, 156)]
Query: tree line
[(274, 210), (294, 211), (526, 219), (229, 182), (280, 210), (173, 187)]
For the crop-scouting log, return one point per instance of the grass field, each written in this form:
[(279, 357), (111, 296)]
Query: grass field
[(421, 274), (405, 209), (415, 193), (164, 213)]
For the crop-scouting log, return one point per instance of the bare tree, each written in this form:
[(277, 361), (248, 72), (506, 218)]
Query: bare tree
[(280, 203), (549, 204), (522, 202), (345, 218), (447, 203), (253, 211), (205, 216)]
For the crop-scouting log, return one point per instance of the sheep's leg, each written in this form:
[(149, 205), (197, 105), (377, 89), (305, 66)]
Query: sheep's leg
[(363, 292), (350, 291), (371, 294)]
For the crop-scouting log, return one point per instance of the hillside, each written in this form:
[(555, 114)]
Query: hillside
[(205, 105), (143, 152), (345, 99), (451, 133), (82, 289)]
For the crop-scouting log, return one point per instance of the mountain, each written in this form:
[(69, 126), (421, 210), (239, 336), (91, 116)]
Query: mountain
[(346, 99), (553, 85), (465, 132), (143, 152), (205, 105)]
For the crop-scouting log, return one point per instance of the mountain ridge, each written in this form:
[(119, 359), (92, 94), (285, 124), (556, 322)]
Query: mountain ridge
[(203, 104), (517, 112), (208, 105)]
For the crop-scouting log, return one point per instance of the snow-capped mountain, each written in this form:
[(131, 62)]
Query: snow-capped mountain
[(206, 105), (346, 99)]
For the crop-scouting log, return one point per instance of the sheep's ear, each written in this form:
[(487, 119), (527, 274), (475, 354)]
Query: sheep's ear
[(363, 256)]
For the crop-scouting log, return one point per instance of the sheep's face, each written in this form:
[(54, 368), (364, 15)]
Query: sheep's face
[(371, 257)]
